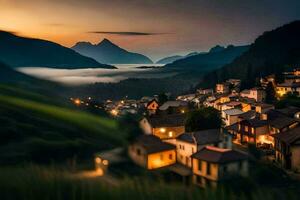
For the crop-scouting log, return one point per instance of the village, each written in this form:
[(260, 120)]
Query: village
[(208, 157)]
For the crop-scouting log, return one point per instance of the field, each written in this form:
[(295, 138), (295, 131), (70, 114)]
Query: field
[(35, 182), (36, 127)]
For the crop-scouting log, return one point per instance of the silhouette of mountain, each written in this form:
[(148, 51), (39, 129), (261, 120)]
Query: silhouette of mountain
[(214, 59), (108, 52), (22, 52), (171, 59), (216, 48), (272, 52)]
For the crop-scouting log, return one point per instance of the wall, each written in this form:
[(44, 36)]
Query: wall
[(168, 132), (138, 155), (295, 150), (145, 126), (184, 152), (161, 159)]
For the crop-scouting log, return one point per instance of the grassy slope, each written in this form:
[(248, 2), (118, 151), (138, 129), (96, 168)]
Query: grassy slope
[(31, 123)]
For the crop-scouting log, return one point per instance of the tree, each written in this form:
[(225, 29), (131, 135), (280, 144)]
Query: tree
[(162, 98), (204, 118), (270, 93)]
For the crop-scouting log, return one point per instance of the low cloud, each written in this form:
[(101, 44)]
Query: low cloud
[(126, 33)]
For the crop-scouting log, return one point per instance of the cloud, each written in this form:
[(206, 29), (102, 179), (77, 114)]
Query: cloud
[(126, 33)]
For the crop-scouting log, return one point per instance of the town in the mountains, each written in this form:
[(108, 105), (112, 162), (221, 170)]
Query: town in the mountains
[(251, 128)]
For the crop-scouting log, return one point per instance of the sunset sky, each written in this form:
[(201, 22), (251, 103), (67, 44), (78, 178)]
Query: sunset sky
[(156, 28)]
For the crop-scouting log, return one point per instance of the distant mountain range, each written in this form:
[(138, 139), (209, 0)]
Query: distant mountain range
[(216, 58), (171, 59), (272, 52), (19, 51), (109, 53)]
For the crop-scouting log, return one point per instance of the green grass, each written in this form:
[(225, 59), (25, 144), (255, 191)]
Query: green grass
[(35, 182), (93, 124)]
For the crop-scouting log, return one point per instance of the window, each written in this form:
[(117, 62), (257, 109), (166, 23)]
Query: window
[(138, 151), (208, 171), (170, 156), (199, 165), (183, 147), (246, 128), (225, 169), (161, 156)]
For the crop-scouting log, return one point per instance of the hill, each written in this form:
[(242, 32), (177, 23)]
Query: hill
[(108, 52), (272, 52), (37, 127), (171, 59), (19, 51), (209, 61)]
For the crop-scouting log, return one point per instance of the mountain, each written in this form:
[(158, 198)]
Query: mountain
[(216, 48), (272, 52), (19, 51), (171, 59), (108, 52), (214, 59)]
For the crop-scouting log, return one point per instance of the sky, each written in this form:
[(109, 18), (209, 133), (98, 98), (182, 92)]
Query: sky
[(156, 28)]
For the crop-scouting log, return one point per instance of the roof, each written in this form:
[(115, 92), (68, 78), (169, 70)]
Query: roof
[(254, 122), (290, 136), (153, 100), (208, 136), (288, 84), (168, 104), (281, 122), (218, 155), (166, 120), (153, 144), (233, 103), (289, 111), (248, 115), (233, 111)]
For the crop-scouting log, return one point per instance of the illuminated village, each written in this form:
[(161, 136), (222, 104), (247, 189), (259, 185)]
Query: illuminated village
[(207, 157)]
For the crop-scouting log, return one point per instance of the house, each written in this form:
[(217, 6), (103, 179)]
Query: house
[(287, 149), (212, 165), (266, 80), (254, 93), (205, 91), (230, 116), (164, 126), (253, 131), (282, 124), (290, 77), (263, 107), (152, 106), (151, 153), (230, 105), (187, 97), (189, 143), (172, 107), (222, 88), (288, 87)]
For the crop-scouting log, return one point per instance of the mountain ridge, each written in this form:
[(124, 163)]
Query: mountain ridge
[(17, 51), (108, 52)]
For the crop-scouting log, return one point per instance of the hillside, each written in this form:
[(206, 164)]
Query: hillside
[(209, 61), (109, 53), (19, 51), (272, 52), (37, 127)]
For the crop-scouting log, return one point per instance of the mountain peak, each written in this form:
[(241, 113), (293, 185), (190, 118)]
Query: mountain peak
[(106, 42)]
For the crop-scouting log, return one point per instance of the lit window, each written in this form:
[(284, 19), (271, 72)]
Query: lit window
[(163, 130), (170, 134)]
